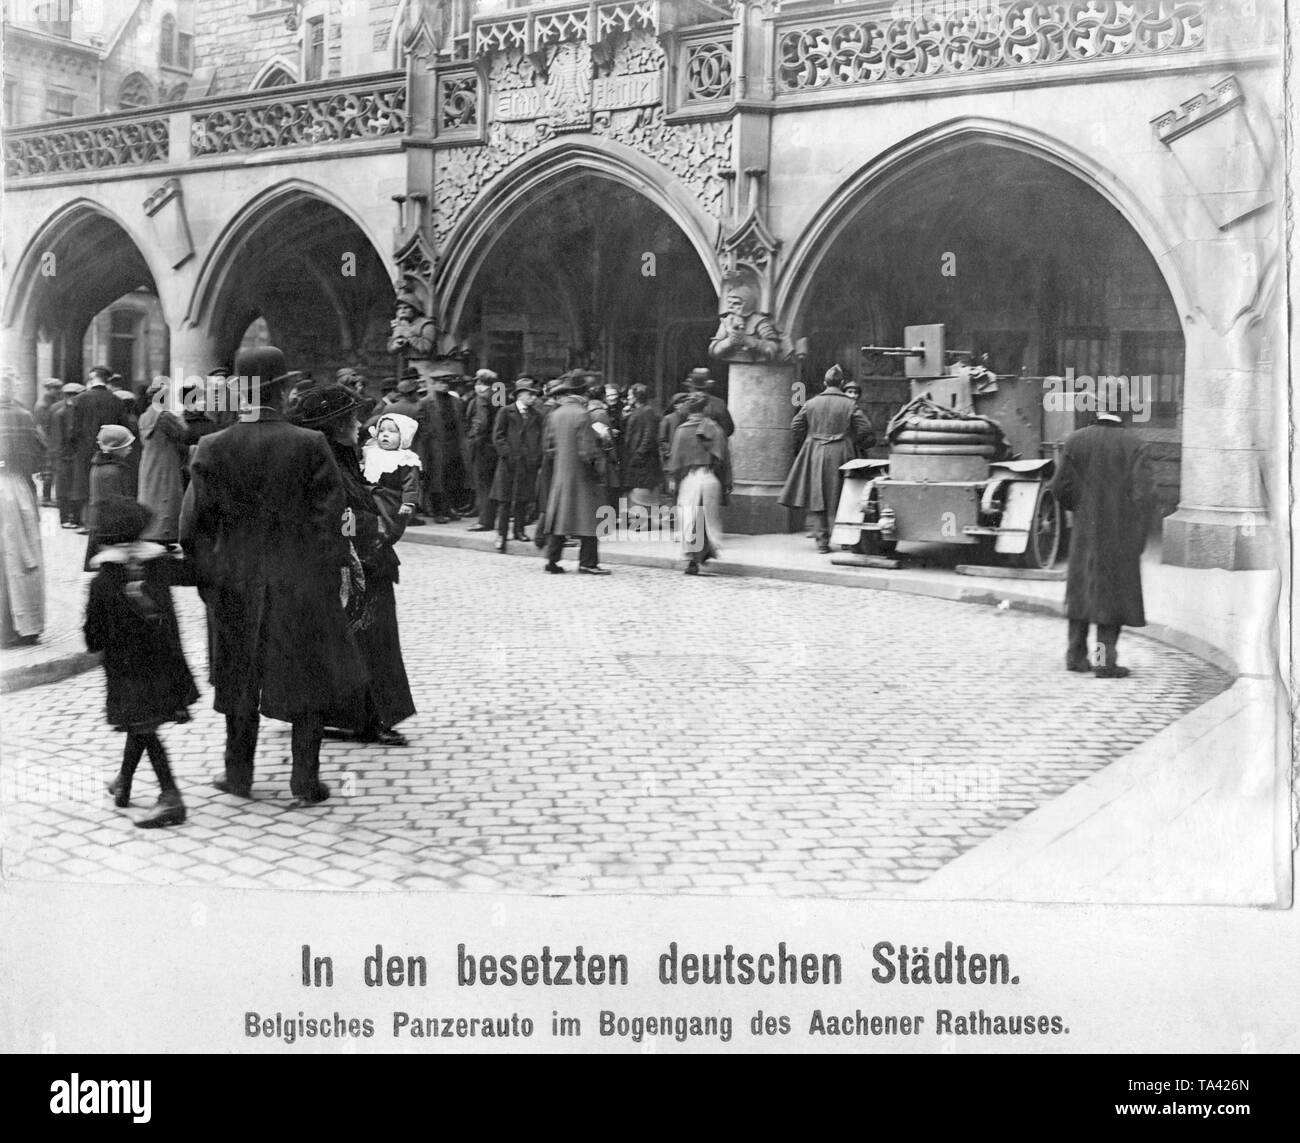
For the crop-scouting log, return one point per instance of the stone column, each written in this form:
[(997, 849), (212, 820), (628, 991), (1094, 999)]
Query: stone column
[(760, 398), (18, 352), (1231, 432), (193, 352)]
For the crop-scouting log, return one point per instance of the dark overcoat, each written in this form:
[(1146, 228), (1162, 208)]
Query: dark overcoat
[(165, 440), (63, 456), (642, 466), (480, 418), (92, 410), (440, 444), (148, 680), (577, 472), (517, 438), (1105, 479), (263, 520), (827, 432)]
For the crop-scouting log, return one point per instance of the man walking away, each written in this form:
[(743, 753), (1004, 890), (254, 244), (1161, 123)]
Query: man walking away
[(577, 479), (1105, 479), (263, 519), (828, 431)]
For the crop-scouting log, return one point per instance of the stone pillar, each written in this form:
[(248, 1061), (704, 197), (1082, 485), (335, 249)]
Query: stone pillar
[(1230, 426), (760, 400), (18, 352), (193, 352)]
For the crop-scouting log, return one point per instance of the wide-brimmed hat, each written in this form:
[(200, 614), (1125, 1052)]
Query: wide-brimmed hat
[(570, 383), (322, 405), (447, 367), (698, 379), (120, 520), (525, 385)]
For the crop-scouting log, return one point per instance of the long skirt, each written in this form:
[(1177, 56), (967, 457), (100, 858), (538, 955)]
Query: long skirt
[(22, 576), (699, 514), (386, 699)]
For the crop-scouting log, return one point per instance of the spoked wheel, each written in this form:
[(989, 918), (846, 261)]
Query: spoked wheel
[(1044, 544)]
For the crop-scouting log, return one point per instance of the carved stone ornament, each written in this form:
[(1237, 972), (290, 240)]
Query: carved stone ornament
[(165, 209), (413, 335), (1213, 142), (745, 333), (533, 98)]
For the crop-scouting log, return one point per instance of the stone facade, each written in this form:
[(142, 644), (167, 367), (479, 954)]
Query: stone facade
[(861, 178)]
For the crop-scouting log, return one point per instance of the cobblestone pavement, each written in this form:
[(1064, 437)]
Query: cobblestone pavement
[(645, 732)]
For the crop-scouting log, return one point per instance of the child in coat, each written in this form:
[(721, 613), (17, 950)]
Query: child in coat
[(108, 477), (131, 619), (388, 462)]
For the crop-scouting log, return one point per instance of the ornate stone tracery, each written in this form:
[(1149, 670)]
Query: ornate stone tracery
[(983, 37), (565, 87)]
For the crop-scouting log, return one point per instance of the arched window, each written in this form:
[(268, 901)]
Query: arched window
[(178, 93), (276, 77), (134, 92), (167, 41)]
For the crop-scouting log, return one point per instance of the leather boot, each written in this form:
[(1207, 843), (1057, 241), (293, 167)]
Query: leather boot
[(168, 811), (120, 788)]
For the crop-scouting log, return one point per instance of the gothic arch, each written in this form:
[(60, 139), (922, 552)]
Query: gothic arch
[(81, 260), (545, 172), (66, 230), (258, 212), (135, 91), (856, 194), (279, 257), (268, 73)]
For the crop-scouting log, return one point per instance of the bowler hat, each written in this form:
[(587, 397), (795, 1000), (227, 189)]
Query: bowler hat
[(265, 365), (698, 379), (322, 405), (120, 520)]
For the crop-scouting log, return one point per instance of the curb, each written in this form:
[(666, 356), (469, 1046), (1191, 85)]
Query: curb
[(51, 671), (872, 580), (64, 667)]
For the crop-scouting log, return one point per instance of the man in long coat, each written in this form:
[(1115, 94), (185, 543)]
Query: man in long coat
[(577, 479), (96, 407), (263, 518), (827, 432), (44, 410), (642, 465), (1106, 480), (443, 451), (480, 416), (63, 455), (517, 439)]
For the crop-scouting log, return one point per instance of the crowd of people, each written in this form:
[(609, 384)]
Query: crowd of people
[(283, 507)]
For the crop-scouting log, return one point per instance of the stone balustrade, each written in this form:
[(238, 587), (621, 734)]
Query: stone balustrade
[(340, 111), (881, 43)]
